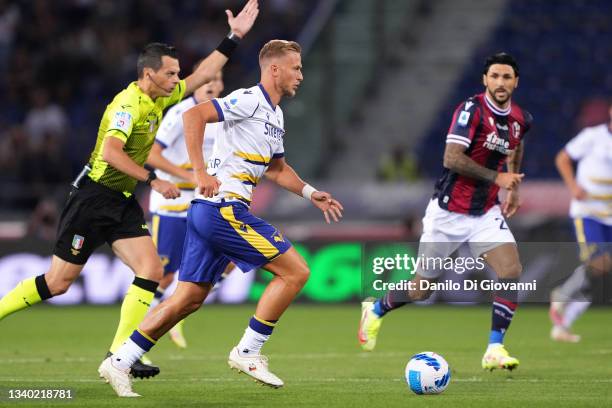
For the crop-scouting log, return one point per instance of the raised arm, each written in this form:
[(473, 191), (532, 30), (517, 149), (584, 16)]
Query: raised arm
[(239, 27)]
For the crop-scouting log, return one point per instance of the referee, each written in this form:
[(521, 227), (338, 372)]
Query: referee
[(101, 206)]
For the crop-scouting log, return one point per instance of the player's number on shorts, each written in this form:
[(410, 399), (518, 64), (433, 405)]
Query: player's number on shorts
[(502, 223)]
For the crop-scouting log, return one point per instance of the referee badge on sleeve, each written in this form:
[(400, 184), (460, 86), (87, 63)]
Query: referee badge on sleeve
[(122, 121), (77, 243)]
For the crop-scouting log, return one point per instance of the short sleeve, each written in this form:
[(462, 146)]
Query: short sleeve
[(121, 118), (279, 152), (580, 145), (240, 104), (464, 123)]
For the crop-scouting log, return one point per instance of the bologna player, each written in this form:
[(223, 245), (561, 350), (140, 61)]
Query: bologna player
[(486, 132)]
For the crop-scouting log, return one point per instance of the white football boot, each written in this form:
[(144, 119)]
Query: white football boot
[(255, 366), (120, 380)]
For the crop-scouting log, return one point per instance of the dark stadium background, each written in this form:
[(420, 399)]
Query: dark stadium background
[(381, 80)]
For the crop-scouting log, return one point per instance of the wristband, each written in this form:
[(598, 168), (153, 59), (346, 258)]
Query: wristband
[(307, 191), (152, 176), (228, 44), (234, 37)]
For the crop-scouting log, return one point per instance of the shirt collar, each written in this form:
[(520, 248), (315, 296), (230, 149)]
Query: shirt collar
[(266, 95), (491, 105)]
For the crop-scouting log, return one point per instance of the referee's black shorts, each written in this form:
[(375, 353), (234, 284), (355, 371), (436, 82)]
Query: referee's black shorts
[(95, 214)]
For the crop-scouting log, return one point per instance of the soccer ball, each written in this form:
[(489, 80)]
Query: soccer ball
[(427, 373)]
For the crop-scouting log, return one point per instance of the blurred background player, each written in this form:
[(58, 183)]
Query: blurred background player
[(169, 156), (220, 227), (485, 133), (101, 206), (591, 208)]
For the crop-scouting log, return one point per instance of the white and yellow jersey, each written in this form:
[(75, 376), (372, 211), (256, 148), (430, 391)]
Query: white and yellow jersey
[(171, 137), (592, 149), (250, 137)]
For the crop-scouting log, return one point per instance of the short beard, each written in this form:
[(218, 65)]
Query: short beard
[(288, 93), (497, 100)]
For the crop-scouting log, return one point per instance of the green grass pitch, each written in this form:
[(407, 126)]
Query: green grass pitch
[(314, 350)]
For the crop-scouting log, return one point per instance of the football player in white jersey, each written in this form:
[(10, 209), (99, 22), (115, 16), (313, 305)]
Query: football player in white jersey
[(591, 209), (169, 157), (220, 227)]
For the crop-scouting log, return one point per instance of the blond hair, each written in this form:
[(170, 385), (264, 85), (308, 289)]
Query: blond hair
[(278, 48)]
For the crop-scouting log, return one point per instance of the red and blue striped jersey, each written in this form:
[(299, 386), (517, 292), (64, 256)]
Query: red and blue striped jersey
[(489, 134)]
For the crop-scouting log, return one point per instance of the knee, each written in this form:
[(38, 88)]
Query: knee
[(188, 306), (300, 275), (57, 284), (153, 271), (510, 271), (184, 304)]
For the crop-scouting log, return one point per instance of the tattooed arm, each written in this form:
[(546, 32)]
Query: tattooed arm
[(456, 160)]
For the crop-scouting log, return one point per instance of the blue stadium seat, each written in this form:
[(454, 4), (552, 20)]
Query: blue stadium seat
[(564, 53)]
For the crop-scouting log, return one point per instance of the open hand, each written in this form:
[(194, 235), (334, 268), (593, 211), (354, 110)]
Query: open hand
[(242, 23), (332, 209)]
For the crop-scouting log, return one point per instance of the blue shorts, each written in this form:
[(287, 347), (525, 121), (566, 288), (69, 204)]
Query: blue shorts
[(593, 236), (169, 235), (224, 232)]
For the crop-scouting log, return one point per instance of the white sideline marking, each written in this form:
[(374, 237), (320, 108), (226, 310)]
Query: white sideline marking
[(296, 380)]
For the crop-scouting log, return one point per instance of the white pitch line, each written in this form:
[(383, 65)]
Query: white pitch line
[(304, 380)]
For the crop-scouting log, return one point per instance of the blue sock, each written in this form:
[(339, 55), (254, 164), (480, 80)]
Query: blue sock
[(143, 341), (255, 336), (504, 305), (392, 300), (262, 328), (496, 337), (378, 308)]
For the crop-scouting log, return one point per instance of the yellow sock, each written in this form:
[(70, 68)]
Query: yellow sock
[(176, 335), (134, 308), (25, 294), (179, 326)]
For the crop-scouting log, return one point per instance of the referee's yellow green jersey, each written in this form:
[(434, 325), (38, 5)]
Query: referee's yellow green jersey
[(132, 117)]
